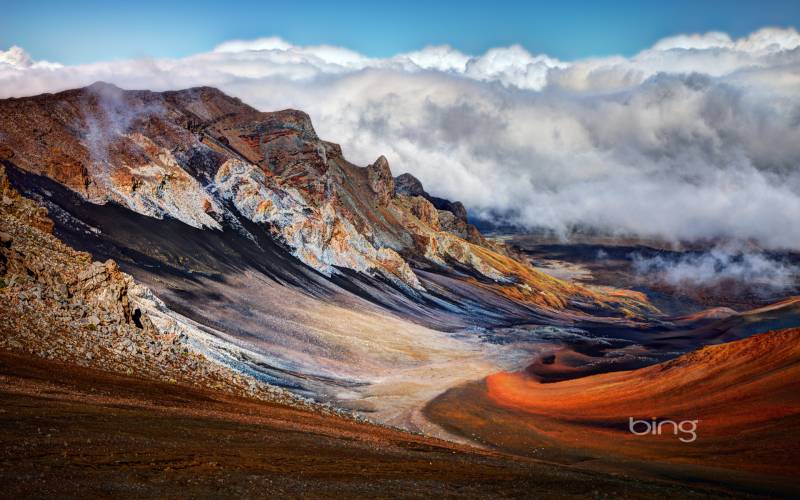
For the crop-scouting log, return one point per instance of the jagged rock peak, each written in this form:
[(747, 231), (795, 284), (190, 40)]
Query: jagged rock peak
[(381, 180), (457, 208), (408, 185)]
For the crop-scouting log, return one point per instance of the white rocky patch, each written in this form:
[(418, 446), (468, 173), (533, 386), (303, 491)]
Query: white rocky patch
[(320, 238), (158, 189)]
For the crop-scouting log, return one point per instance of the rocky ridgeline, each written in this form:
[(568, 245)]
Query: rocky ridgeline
[(207, 159), (185, 154), (451, 216), (317, 235), (57, 304)]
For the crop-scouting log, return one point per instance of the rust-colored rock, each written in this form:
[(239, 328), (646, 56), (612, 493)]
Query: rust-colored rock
[(381, 180), (425, 212)]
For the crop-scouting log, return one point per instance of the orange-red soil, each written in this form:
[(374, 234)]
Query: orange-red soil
[(744, 395)]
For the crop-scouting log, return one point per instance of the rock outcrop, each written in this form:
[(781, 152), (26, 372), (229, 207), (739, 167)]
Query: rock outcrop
[(381, 180), (408, 185), (424, 211)]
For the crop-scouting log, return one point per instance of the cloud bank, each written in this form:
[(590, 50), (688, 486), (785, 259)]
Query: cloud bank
[(720, 265), (697, 137)]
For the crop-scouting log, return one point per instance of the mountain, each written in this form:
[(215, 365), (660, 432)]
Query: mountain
[(188, 239), (271, 241), (208, 160)]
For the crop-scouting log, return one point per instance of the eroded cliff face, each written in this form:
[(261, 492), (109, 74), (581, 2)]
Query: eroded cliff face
[(205, 158)]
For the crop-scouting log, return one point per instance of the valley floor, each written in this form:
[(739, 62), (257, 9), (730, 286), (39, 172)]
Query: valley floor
[(67, 431)]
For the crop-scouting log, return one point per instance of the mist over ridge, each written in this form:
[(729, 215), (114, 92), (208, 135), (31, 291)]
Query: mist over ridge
[(693, 138)]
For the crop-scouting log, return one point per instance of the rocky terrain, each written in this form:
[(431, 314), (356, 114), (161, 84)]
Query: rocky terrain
[(58, 304), (286, 262), (230, 256)]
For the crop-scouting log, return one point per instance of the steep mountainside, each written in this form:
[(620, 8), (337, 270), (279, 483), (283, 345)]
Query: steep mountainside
[(208, 160)]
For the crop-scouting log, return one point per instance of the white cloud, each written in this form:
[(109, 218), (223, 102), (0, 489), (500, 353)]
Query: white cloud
[(267, 43), (439, 57), (761, 41), (720, 265), (17, 58), (693, 138), (513, 66), (710, 40)]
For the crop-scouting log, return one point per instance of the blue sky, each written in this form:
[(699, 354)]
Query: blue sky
[(79, 32)]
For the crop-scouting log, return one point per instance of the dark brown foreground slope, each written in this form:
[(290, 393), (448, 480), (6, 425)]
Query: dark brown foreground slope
[(67, 431)]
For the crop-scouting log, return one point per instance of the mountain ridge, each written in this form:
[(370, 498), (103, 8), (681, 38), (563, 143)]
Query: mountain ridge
[(190, 154)]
